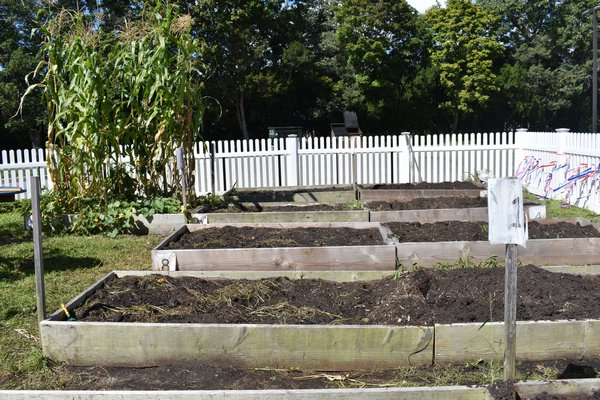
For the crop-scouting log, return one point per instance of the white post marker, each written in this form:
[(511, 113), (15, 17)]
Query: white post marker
[(507, 226)]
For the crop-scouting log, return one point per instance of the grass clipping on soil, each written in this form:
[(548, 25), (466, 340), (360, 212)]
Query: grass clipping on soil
[(420, 297)]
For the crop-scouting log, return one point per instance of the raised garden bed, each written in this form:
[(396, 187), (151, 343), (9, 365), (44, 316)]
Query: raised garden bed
[(328, 246), (423, 244), (367, 324), (436, 209), (407, 192), (286, 212), (305, 194), (552, 242)]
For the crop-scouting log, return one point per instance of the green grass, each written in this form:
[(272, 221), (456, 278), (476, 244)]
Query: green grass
[(554, 209), (71, 264)]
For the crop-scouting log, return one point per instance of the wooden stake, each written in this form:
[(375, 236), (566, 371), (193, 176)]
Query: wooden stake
[(510, 311), (37, 248)]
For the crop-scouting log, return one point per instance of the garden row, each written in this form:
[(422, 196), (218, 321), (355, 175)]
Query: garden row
[(210, 280)]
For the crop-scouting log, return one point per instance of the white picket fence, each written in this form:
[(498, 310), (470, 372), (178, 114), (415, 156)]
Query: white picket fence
[(558, 164)]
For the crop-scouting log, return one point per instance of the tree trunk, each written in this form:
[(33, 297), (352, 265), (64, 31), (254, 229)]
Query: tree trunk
[(241, 114), (455, 122)]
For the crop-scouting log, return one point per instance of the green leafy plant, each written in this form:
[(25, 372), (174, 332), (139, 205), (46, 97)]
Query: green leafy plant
[(210, 202), (354, 205), (85, 217)]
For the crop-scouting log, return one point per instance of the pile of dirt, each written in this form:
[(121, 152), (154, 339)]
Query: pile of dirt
[(421, 297), (252, 237)]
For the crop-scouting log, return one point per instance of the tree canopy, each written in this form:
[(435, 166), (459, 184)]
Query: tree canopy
[(472, 65)]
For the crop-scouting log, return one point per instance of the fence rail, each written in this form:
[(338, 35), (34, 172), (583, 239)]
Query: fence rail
[(559, 164)]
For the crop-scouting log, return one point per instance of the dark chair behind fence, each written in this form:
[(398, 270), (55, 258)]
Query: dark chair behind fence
[(348, 128)]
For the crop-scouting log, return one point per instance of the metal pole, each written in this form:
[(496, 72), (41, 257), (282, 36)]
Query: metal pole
[(38, 255), (593, 12)]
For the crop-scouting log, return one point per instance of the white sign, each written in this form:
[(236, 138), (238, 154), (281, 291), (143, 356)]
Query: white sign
[(507, 223)]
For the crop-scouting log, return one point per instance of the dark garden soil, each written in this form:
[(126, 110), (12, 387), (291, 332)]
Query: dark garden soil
[(417, 297), (198, 376), (420, 297), (253, 237), (279, 195), (429, 203), (432, 203), (426, 185), (472, 231), (250, 207)]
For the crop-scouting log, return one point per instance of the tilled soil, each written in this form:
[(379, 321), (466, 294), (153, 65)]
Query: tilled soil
[(253, 237), (429, 203), (256, 237), (452, 231), (249, 207), (200, 376), (427, 185), (420, 297), (432, 203)]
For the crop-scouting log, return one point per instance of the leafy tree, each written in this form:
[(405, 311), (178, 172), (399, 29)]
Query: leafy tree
[(242, 50), (17, 58), (371, 51), (546, 72), (464, 47)]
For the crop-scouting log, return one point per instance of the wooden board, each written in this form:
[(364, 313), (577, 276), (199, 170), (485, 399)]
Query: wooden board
[(289, 216), (571, 387), (407, 393), (321, 347), (448, 214), (369, 195), (336, 276), (536, 340), (538, 252), (349, 258)]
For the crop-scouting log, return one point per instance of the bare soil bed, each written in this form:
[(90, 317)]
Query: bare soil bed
[(256, 237), (426, 185), (200, 376), (429, 203), (451, 231), (420, 297), (257, 207), (251, 237)]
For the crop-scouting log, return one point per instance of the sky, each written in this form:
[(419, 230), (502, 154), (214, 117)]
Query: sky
[(422, 5)]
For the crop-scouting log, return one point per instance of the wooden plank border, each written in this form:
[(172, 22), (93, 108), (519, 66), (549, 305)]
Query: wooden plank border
[(349, 258), (411, 393)]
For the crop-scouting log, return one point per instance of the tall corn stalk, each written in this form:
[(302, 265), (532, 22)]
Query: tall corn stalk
[(119, 103)]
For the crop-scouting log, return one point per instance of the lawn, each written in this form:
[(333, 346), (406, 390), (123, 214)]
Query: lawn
[(71, 264)]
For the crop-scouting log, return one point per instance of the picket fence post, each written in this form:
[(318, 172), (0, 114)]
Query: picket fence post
[(407, 159), (292, 159)]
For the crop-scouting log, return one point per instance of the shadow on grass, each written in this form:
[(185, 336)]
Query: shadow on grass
[(14, 233), (15, 268)]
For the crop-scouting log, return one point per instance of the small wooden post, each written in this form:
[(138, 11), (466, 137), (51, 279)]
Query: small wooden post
[(510, 310), (37, 248), (507, 226), (181, 167)]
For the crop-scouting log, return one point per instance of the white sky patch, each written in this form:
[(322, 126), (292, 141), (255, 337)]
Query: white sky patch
[(422, 5)]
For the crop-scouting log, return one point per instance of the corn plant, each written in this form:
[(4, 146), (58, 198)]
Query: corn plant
[(120, 102)]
